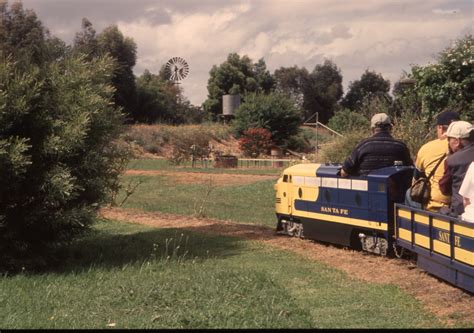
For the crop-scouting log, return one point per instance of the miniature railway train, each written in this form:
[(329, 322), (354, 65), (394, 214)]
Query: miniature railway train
[(314, 202)]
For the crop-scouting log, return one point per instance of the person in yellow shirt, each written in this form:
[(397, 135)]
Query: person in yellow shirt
[(428, 157)]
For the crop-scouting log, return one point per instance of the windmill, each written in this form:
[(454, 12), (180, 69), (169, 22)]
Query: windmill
[(177, 69)]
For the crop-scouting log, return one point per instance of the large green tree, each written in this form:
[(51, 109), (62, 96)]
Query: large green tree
[(123, 50), (291, 81), (318, 91), (236, 75), (370, 85), (322, 91)]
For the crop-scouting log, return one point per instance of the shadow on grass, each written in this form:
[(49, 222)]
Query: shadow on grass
[(109, 250)]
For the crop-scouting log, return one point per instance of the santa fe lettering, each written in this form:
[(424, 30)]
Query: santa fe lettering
[(444, 237), (334, 210)]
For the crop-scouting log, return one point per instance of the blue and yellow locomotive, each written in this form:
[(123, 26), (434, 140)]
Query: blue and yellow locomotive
[(314, 202)]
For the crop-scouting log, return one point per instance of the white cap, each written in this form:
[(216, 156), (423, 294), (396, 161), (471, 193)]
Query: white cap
[(459, 129), (380, 119)]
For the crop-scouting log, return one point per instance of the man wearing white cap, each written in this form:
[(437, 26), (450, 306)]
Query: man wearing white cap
[(460, 140), (379, 151)]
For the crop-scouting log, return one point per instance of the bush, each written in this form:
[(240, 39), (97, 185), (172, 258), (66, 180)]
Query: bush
[(346, 121), (255, 141), (58, 151), (339, 149), (274, 112)]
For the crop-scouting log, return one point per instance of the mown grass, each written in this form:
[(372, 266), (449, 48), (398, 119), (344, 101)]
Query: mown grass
[(131, 276), (252, 203)]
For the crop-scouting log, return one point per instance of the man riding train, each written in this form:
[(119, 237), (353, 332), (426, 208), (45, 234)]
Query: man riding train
[(453, 146)]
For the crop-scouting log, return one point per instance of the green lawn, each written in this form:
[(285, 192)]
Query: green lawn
[(253, 203), (131, 276)]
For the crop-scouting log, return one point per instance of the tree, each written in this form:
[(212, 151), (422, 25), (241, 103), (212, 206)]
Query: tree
[(22, 35), (322, 91), (123, 50), (317, 91), (274, 112), (369, 85), (291, 81), (85, 42), (236, 75), (159, 100), (449, 82)]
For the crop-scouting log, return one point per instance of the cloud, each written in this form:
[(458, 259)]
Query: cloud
[(385, 36), (445, 11)]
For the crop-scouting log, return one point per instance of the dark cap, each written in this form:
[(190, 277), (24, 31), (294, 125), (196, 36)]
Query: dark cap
[(447, 117)]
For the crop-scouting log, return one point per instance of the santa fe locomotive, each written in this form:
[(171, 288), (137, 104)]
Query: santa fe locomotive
[(314, 202)]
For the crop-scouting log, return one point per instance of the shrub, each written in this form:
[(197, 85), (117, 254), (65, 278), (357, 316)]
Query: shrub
[(58, 151), (346, 120), (274, 112), (255, 141), (339, 149)]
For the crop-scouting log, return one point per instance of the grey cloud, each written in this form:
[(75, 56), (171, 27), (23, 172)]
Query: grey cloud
[(66, 15)]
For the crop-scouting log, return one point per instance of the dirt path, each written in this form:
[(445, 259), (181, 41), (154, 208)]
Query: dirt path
[(224, 179), (442, 299)]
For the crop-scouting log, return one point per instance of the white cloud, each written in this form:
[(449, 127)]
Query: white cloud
[(386, 36)]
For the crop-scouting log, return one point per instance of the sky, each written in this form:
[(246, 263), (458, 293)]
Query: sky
[(385, 36)]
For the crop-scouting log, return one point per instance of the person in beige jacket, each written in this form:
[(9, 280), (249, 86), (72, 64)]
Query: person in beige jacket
[(428, 157)]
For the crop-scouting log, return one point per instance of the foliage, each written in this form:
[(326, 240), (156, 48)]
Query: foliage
[(255, 141), (152, 138), (236, 75), (303, 141), (291, 81), (322, 91), (370, 85), (449, 82), (346, 121), (159, 100), (24, 38), (123, 50), (313, 92), (58, 158), (408, 126), (274, 112), (341, 147), (194, 145), (85, 42)]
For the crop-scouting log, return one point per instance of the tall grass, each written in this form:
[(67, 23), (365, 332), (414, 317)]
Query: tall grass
[(152, 137)]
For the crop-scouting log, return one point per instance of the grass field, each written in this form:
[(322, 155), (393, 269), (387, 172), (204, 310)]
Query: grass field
[(131, 276), (253, 203)]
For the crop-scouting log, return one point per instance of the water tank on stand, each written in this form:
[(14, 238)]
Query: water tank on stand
[(230, 103)]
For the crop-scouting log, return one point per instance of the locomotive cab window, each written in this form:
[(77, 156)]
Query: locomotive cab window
[(285, 178)]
